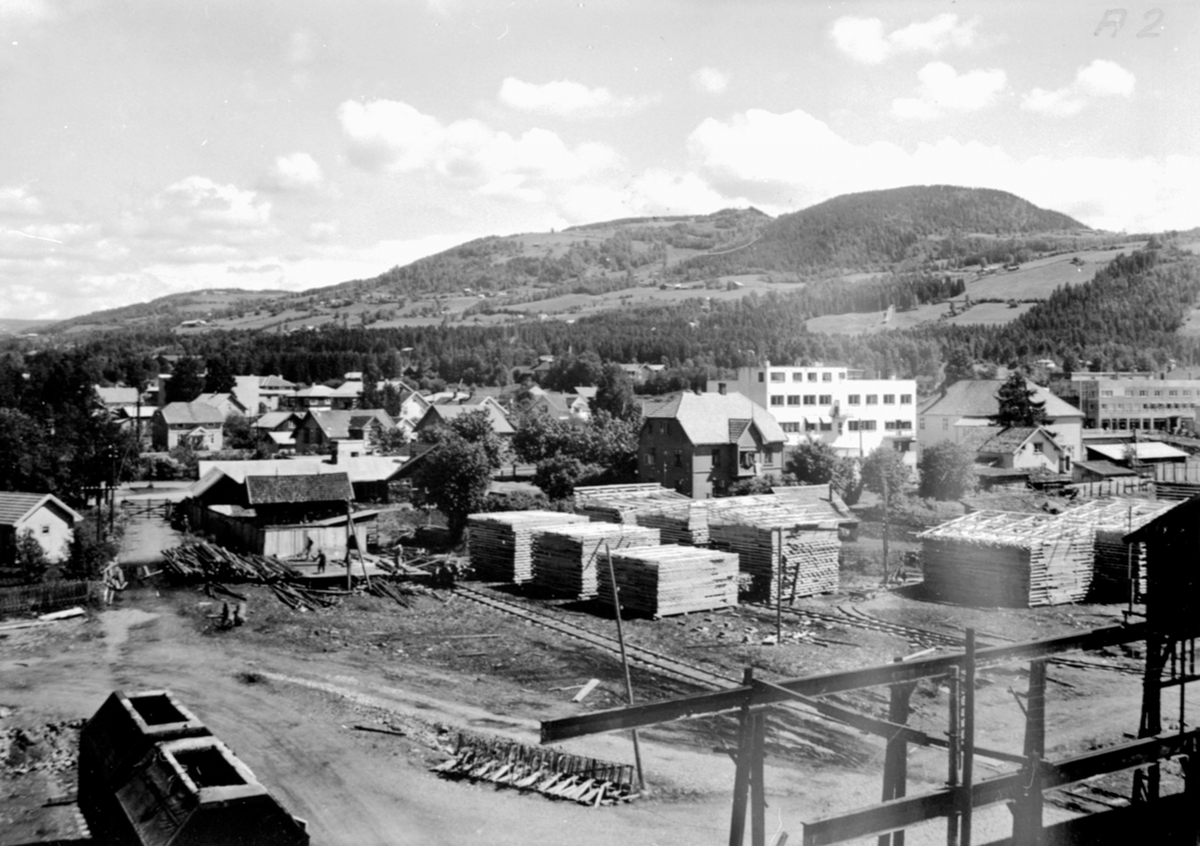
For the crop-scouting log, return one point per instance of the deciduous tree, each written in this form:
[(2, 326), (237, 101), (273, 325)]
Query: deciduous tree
[(947, 471)]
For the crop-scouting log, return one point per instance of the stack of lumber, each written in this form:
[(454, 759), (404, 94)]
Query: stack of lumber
[(681, 519), (998, 558), (566, 559), (808, 557), (662, 580), (208, 563), (1116, 561), (500, 542)]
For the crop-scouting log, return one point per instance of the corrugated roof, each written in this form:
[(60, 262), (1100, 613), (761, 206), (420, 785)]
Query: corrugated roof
[(196, 413), (978, 398), (15, 506), (706, 417), (319, 487)]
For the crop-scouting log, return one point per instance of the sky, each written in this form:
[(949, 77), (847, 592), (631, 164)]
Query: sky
[(150, 147)]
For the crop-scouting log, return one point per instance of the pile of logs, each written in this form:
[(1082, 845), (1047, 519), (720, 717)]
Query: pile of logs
[(500, 542), (995, 558), (548, 771), (662, 580), (566, 558), (808, 558), (304, 599), (205, 562)]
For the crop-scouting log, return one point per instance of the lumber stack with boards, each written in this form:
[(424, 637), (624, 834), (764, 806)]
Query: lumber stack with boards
[(663, 580), (808, 557), (566, 559), (500, 541), (680, 518), (1117, 563), (995, 558)]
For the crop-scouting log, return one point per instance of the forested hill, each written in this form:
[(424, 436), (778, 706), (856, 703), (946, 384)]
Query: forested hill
[(875, 229)]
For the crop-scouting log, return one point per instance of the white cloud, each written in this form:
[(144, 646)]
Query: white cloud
[(302, 47), (943, 88), (199, 203), (1101, 78), (297, 171), (27, 10), (18, 203), (864, 39), (783, 162), (567, 99), (710, 80), (392, 136)]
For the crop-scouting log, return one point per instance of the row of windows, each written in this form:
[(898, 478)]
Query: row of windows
[(806, 399), (873, 399), (747, 457), (1155, 392), (798, 376), (1142, 406)]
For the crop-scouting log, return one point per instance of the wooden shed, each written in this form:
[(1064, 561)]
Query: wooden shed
[(1000, 558)]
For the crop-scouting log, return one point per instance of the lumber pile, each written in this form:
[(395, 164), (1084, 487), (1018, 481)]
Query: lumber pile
[(680, 519), (663, 580), (997, 558), (205, 562), (808, 557), (565, 558), (500, 542), (549, 771), (1115, 561)]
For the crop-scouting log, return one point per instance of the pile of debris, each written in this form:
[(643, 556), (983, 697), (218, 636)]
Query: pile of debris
[(49, 748), (205, 562), (548, 771)]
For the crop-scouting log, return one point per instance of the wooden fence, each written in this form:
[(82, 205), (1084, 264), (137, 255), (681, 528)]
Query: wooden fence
[(48, 596), (1123, 486), (281, 541), (1188, 472)]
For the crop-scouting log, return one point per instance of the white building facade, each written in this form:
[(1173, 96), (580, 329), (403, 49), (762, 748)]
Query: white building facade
[(831, 404)]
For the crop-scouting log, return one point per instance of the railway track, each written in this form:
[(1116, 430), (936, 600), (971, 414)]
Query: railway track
[(646, 658)]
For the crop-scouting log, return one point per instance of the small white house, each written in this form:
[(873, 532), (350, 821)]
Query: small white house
[(48, 518)]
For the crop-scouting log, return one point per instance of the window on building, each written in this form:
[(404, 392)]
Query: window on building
[(793, 399), (812, 377), (903, 425), (1110, 393), (853, 399), (810, 425), (678, 458), (868, 425), (872, 399), (760, 376), (826, 399), (826, 377), (852, 425), (826, 426), (1141, 393), (649, 458), (45, 530), (797, 376), (810, 399), (1037, 448), (768, 457), (777, 400), (790, 427), (889, 399), (922, 424), (945, 423), (778, 377), (1172, 393), (747, 460), (662, 427), (906, 399), (1157, 393), (716, 457)]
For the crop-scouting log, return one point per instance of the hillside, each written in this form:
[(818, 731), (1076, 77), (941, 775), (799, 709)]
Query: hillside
[(874, 230), (906, 243)]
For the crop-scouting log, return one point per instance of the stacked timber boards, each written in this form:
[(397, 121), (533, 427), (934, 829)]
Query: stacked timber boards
[(809, 556), (566, 559), (662, 580), (1116, 562), (681, 519), (997, 558), (500, 542)]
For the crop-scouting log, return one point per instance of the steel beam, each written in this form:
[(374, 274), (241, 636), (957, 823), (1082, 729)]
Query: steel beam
[(702, 704)]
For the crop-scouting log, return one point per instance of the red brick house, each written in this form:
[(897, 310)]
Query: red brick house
[(703, 444)]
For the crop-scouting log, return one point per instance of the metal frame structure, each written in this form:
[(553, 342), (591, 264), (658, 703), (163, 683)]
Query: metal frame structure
[(957, 801)]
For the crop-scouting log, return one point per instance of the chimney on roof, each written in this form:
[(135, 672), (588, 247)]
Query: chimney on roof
[(722, 388)]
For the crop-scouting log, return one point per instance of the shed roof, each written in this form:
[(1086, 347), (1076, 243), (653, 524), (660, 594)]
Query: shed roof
[(318, 487), (1145, 451), (1105, 468), (117, 396), (710, 418), (16, 506), (446, 413), (339, 424)]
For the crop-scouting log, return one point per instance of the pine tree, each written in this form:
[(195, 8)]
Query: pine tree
[(1017, 404)]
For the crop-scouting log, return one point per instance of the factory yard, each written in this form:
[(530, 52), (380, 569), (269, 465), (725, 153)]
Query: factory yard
[(301, 697)]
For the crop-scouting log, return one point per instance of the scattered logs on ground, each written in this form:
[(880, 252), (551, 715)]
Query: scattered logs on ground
[(302, 599), (206, 562), (500, 542), (1117, 564), (549, 771), (659, 581), (808, 557), (997, 558), (385, 590), (566, 558)]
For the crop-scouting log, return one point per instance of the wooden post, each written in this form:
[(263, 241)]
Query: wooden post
[(349, 534), (741, 779), (758, 788), (637, 749), (1027, 811), (968, 740), (895, 761), (952, 754), (779, 590)]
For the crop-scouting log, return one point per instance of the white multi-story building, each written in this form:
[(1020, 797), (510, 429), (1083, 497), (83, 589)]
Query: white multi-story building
[(831, 404)]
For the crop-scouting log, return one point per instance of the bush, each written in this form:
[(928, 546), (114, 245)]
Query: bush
[(31, 559), (947, 471)]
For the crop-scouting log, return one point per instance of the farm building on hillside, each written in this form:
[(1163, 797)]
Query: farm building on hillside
[(46, 517), (1014, 560)]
